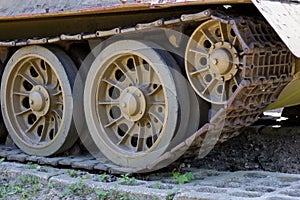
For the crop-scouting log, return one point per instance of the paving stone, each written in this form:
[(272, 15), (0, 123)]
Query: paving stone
[(50, 161), (33, 158), (17, 157), (87, 164), (209, 184), (68, 160), (101, 167)]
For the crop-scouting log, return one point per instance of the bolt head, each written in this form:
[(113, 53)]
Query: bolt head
[(215, 61)]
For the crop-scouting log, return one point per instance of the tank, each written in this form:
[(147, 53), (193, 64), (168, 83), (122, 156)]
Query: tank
[(140, 84)]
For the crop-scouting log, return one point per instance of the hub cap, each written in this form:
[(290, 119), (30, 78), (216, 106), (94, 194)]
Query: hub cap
[(133, 103), (39, 100)]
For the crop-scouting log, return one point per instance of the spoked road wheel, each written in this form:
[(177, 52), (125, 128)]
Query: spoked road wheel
[(212, 61), (133, 107), (36, 98)]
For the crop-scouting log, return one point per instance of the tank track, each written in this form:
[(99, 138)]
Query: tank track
[(267, 67)]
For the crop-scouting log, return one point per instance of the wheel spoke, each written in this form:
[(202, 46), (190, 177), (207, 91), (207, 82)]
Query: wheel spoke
[(114, 83), (125, 70), (153, 131), (199, 71), (224, 32), (235, 41), (36, 122), (209, 86), (28, 79), (223, 93), (59, 92), (126, 135), (37, 68), (58, 113), (45, 130), (138, 64), (108, 102), (140, 140), (114, 121), (199, 51), (235, 81), (56, 124), (209, 36), (156, 115), (59, 103), (48, 73), (23, 112), (156, 102), (154, 90), (150, 74), (26, 94)]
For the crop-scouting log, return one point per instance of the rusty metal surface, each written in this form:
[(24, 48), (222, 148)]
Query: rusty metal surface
[(284, 18), (17, 9)]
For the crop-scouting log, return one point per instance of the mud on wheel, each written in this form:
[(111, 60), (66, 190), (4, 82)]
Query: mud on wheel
[(36, 98), (133, 108)]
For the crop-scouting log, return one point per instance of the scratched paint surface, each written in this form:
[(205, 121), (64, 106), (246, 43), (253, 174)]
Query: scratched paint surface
[(284, 18), (32, 7)]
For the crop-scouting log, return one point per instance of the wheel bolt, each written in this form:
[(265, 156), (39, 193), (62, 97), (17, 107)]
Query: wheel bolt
[(124, 105), (215, 61), (31, 102)]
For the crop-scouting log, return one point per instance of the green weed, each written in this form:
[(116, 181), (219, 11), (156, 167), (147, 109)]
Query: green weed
[(125, 179), (183, 178)]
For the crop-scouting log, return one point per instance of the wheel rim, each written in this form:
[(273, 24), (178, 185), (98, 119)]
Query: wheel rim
[(3, 133), (131, 111), (36, 92), (212, 61)]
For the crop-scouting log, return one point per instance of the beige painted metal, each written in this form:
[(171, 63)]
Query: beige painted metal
[(283, 16), (36, 100), (135, 105), (212, 61), (23, 9)]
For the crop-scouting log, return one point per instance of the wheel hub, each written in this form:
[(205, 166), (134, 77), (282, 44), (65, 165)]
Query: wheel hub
[(222, 57), (133, 103), (39, 100)]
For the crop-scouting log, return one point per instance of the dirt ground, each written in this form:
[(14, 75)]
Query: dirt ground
[(257, 148)]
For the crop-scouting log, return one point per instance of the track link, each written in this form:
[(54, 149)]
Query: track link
[(267, 67)]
